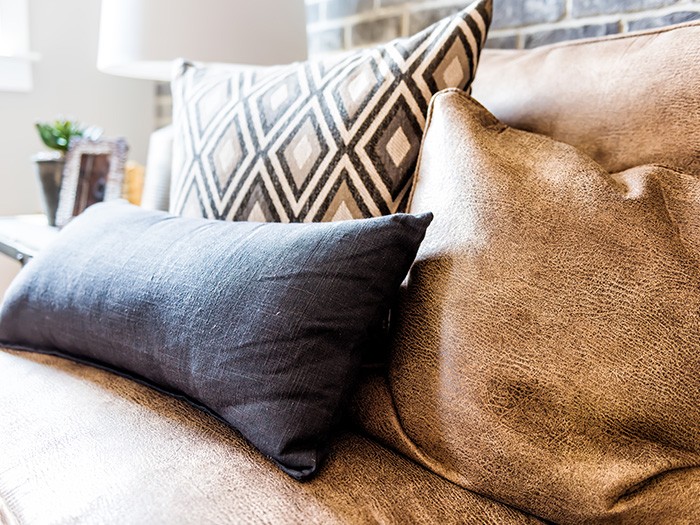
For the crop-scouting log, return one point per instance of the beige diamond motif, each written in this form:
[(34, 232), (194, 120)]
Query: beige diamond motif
[(256, 214), (453, 73), (359, 86), (278, 97), (342, 213), (227, 156), (210, 105), (302, 152), (398, 147)]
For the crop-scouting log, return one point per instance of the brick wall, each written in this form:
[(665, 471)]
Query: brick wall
[(335, 25)]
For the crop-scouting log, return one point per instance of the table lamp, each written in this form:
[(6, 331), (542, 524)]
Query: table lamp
[(142, 38)]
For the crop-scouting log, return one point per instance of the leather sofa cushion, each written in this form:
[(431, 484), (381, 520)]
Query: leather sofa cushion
[(547, 344), (625, 100), (80, 445)]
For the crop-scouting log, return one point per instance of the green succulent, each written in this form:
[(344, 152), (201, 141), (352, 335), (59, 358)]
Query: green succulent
[(58, 134)]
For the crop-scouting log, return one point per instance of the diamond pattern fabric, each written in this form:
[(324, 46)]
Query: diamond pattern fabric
[(322, 140)]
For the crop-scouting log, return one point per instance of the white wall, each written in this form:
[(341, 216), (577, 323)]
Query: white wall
[(8, 269), (66, 82)]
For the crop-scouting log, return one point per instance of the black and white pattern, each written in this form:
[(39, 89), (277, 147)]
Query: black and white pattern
[(320, 140)]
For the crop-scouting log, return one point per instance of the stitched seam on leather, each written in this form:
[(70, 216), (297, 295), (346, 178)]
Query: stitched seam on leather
[(408, 443), (428, 121), (416, 174), (611, 38), (414, 449), (669, 168)]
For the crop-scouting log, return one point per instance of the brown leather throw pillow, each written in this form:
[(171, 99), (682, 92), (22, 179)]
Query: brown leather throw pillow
[(547, 349)]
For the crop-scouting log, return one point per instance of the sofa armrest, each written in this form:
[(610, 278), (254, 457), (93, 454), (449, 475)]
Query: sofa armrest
[(156, 188)]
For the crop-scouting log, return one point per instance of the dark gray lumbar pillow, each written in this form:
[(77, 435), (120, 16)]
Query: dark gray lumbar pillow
[(263, 324)]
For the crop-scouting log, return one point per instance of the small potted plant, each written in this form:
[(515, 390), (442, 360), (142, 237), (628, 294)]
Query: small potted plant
[(56, 135)]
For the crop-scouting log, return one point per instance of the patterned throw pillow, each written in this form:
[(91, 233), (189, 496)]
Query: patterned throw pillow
[(320, 140)]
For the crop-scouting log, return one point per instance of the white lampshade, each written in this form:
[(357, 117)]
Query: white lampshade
[(141, 38)]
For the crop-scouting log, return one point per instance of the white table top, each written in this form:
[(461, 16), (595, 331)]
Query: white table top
[(23, 236)]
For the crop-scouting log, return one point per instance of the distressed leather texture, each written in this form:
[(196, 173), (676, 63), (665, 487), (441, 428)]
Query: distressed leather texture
[(625, 100), (547, 343), (577, 410), (80, 445)]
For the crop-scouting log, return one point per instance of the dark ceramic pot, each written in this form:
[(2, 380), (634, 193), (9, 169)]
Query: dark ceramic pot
[(49, 170)]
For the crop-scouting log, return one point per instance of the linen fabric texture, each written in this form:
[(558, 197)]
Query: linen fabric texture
[(547, 344), (322, 140), (263, 324)]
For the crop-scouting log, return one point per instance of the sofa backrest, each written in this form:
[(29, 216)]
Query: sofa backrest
[(625, 100)]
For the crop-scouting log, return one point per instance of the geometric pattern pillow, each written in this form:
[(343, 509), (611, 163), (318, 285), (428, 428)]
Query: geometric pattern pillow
[(320, 140)]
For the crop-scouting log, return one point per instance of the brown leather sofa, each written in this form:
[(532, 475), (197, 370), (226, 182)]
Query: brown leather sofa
[(80, 445)]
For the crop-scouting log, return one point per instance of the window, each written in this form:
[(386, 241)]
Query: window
[(15, 57)]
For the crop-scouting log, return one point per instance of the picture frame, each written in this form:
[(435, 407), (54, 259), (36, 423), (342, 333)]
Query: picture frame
[(93, 172)]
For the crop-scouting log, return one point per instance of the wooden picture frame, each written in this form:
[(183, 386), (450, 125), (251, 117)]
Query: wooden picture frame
[(93, 172)]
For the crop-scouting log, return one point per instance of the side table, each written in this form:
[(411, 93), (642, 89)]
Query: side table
[(23, 236)]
